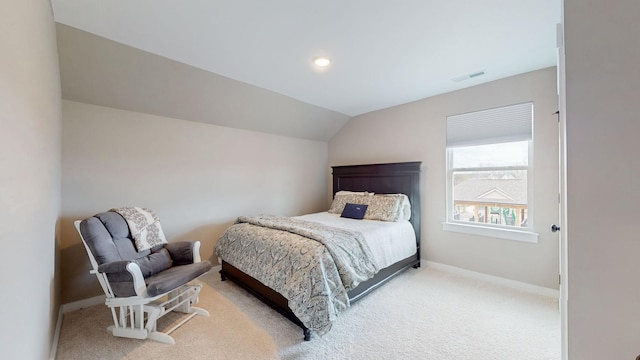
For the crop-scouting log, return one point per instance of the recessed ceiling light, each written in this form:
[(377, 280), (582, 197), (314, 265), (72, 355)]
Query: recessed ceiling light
[(321, 61)]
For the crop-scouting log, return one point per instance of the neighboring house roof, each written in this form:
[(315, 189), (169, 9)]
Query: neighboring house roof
[(492, 191)]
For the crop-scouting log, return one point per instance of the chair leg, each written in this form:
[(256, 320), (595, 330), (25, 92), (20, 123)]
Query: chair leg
[(128, 327), (138, 316), (154, 313), (139, 321), (186, 299), (199, 311), (161, 337), (150, 330)]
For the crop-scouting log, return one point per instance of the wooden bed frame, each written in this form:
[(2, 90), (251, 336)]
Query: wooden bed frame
[(388, 178)]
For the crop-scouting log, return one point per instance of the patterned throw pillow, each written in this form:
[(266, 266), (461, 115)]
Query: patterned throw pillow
[(343, 197), (383, 208), (404, 211)]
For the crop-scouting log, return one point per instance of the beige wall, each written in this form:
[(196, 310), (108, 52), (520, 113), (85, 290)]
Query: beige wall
[(29, 178), (416, 131), (603, 178), (98, 71), (197, 177)]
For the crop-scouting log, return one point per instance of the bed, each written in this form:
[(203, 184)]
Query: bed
[(391, 178)]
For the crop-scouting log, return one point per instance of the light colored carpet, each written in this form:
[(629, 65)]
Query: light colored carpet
[(424, 314), (226, 334)]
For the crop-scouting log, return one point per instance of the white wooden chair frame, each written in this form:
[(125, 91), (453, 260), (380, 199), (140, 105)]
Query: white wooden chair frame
[(136, 316)]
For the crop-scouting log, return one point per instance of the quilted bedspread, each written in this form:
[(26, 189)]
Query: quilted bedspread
[(312, 265)]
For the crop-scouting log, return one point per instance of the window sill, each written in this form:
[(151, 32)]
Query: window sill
[(508, 234)]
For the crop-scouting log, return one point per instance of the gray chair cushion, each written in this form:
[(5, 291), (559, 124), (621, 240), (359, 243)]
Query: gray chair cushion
[(164, 269), (155, 262), (115, 224), (121, 284), (107, 235), (181, 252), (175, 277)]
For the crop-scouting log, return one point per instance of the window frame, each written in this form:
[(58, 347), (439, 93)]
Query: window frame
[(525, 234)]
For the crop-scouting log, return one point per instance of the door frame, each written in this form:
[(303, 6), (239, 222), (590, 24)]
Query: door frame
[(562, 188)]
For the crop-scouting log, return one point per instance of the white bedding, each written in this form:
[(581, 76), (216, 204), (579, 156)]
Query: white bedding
[(389, 242)]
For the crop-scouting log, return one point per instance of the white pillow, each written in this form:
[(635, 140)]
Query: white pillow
[(405, 208)]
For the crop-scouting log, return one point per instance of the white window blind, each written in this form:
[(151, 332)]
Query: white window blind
[(498, 125)]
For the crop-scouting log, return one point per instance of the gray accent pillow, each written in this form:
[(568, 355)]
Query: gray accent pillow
[(155, 262)]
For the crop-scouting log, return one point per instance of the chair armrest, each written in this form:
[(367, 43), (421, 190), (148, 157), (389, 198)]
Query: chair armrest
[(184, 252), (126, 266), (139, 285), (113, 267)]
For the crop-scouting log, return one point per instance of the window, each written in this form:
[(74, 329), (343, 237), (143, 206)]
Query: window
[(489, 169)]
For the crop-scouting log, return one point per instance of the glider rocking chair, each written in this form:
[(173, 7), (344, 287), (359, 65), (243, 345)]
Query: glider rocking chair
[(142, 286)]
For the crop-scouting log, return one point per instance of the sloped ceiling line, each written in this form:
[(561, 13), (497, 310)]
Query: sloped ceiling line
[(99, 71)]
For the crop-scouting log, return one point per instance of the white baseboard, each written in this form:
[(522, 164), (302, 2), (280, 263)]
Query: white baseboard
[(518, 285), (69, 307), (56, 336), (80, 304)]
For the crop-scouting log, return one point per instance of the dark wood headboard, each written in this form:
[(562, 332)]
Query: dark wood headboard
[(391, 178)]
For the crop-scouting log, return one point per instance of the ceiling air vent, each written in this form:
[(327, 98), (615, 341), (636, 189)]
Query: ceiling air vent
[(468, 76)]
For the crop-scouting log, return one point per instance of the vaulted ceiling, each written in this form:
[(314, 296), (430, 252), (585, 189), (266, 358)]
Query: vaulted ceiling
[(225, 62)]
